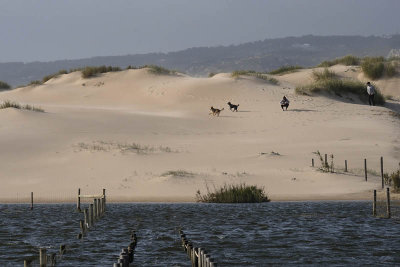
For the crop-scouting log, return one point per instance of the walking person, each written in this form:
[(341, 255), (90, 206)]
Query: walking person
[(371, 94), (284, 103)]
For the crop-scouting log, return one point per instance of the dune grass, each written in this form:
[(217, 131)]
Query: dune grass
[(328, 81), (11, 104), (348, 60), (89, 72), (240, 193), (377, 67), (259, 75), (154, 69), (323, 75), (4, 86), (285, 69), (178, 174)]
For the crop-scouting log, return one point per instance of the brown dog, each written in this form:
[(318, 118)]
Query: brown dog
[(215, 111)]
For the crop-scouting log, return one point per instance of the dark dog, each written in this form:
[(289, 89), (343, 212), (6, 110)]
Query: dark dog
[(233, 107), (215, 111)]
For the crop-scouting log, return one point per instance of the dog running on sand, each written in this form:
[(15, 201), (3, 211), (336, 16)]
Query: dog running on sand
[(233, 107), (215, 111)]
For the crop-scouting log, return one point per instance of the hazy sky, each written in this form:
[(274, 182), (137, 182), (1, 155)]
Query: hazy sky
[(47, 30)]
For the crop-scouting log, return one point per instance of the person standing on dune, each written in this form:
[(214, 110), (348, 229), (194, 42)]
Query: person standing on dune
[(371, 94)]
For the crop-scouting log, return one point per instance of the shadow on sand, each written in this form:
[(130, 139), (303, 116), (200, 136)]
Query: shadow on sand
[(301, 110)]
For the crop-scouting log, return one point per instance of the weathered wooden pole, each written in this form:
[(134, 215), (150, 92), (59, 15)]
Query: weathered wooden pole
[(62, 249), (388, 202), (199, 254), (365, 169), (91, 215), (345, 165), (312, 162), (382, 172), (82, 226), (94, 209), (374, 205), (78, 203), (98, 208), (27, 263), (42, 257), (104, 196), (31, 200), (85, 218)]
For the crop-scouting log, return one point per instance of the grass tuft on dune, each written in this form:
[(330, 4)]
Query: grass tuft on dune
[(10, 104)]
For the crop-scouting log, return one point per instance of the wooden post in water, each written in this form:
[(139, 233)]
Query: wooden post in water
[(388, 202), (94, 209), (104, 196), (382, 173), (345, 165), (90, 215), (42, 257), (374, 205), (312, 163), (62, 249), (365, 169), (31, 200), (85, 218), (82, 226), (78, 203), (199, 254)]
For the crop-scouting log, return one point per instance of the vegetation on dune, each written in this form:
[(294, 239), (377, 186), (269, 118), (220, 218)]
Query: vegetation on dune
[(377, 67), (179, 174), (158, 70), (348, 60), (285, 69), (323, 75), (211, 74), (55, 75), (328, 81), (10, 104), (259, 75), (393, 179), (89, 72), (240, 193), (4, 86)]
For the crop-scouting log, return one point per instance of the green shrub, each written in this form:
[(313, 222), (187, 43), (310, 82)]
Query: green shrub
[(211, 74), (88, 72), (159, 70), (285, 69), (373, 67), (36, 82), (323, 75), (4, 86), (241, 193), (339, 87)]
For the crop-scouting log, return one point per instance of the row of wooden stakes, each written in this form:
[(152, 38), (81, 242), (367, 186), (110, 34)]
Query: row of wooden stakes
[(127, 254), (46, 260), (199, 257), (93, 213)]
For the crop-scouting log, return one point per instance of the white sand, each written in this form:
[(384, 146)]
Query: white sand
[(81, 139)]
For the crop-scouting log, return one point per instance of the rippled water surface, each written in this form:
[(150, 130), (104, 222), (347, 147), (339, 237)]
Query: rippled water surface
[(278, 233)]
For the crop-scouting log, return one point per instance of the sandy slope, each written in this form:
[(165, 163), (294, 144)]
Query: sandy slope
[(85, 137)]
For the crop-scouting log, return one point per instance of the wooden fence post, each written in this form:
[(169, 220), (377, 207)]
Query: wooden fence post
[(365, 169), (345, 165), (90, 215), (78, 204), (312, 162), (388, 202), (374, 205), (94, 209), (31, 200), (42, 257), (382, 172), (104, 196)]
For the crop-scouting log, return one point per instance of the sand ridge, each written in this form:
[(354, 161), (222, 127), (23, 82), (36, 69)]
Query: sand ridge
[(150, 137)]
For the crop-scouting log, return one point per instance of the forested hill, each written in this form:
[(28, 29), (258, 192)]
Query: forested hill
[(199, 61)]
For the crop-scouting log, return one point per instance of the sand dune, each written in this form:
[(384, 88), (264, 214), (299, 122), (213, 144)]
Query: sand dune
[(150, 137)]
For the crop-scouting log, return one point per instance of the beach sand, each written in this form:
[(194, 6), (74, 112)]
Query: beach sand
[(147, 137)]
